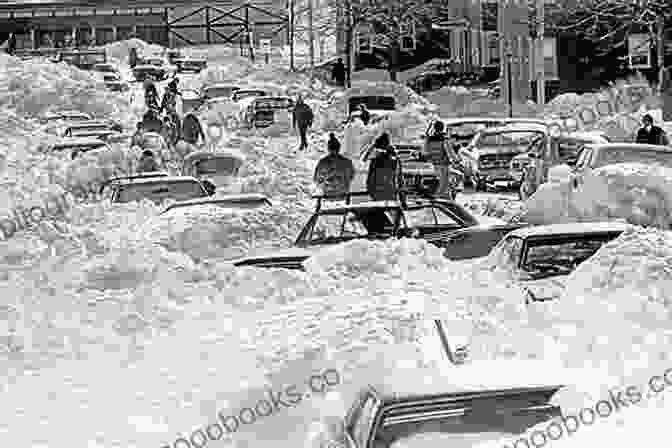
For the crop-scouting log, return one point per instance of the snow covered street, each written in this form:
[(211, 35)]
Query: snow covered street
[(121, 327)]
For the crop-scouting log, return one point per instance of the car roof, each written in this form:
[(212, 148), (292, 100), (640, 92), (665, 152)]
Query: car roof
[(77, 141), (220, 85), (67, 113), (229, 199), (85, 123), (517, 127), (416, 384), (327, 208), (228, 153), (158, 180), (575, 228), (656, 148), (596, 136), (467, 120)]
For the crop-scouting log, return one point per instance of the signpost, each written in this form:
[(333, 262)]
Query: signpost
[(265, 47)]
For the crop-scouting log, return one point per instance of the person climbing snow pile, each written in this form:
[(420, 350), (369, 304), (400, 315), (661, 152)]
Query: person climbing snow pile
[(302, 119), (334, 173), (384, 175)]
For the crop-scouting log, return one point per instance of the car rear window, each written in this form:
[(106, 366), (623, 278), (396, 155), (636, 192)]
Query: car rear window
[(158, 192)]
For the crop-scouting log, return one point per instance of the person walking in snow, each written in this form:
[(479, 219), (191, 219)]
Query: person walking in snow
[(651, 134), (192, 130), (334, 172), (384, 175), (151, 96), (169, 102), (147, 162), (302, 119), (364, 114), (338, 73), (442, 156)]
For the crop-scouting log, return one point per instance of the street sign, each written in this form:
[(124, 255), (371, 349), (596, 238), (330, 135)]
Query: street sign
[(265, 45)]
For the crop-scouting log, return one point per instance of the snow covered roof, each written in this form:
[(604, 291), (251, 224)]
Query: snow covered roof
[(158, 180), (477, 376), (227, 152), (327, 207), (574, 228), (78, 141), (531, 126), (619, 146)]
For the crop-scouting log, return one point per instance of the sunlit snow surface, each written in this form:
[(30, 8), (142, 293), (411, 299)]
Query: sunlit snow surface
[(112, 335)]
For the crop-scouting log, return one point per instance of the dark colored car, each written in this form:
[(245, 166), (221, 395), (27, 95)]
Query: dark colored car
[(433, 220)]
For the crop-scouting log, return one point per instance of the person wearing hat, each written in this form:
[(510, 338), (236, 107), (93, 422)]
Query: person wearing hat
[(334, 172), (147, 162), (384, 175), (651, 134), (169, 102)]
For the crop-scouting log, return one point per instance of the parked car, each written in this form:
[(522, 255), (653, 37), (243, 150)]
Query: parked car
[(105, 68), (486, 160), (264, 111), (74, 145), (461, 131), (429, 219), (539, 258), (437, 410), (379, 106), (83, 59), (91, 127), (147, 71), (156, 189), (65, 116), (238, 201), (218, 90), (242, 94), (220, 167), (192, 65), (553, 150)]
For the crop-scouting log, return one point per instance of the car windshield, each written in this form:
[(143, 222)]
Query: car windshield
[(520, 139), (86, 147), (89, 128), (273, 103), (159, 191), (428, 217), (634, 155), (347, 225), (219, 92), (547, 257), (220, 165)]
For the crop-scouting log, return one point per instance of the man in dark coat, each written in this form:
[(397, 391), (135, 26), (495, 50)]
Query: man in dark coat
[(192, 130), (338, 73), (384, 176), (650, 134), (334, 172), (302, 120)]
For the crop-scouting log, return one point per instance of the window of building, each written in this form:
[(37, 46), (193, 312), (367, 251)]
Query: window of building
[(550, 58)]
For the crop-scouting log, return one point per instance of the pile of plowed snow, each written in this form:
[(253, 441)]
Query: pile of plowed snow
[(120, 50), (33, 87), (456, 102), (640, 194)]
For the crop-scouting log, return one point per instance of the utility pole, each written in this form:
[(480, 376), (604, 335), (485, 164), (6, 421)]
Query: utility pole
[(541, 75), (311, 40), (660, 49), (291, 35)]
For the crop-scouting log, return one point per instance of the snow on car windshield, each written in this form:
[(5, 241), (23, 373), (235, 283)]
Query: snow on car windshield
[(223, 165), (510, 138), (178, 191), (561, 256)]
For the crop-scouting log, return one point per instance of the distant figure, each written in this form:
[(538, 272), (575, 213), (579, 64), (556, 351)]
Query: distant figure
[(136, 140), (338, 73), (192, 130), (147, 162), (334, 172), (666, 90), (302, 118), (442, 156), (651, 134), (364, 114), (384, 176), (132, 57)]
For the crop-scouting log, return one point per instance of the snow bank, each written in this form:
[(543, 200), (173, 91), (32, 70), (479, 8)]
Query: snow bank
[(34, 87), (119, 50), (454, 102), (640, 194)]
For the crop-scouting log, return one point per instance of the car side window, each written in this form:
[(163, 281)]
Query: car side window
[(428, 216)]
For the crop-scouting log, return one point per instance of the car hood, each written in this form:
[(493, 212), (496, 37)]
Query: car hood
[(545, 289)]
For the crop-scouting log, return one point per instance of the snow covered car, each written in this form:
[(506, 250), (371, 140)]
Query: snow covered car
[(554, 150), (83, 59), (265, 111), (379, 106), (193, 65), (246, 201), (220, 167), (421, 407), (429, 219), (596, 156), (539, 258), (74, 146), (148, 71), (218, 90), (461, 131), (486, 160), (242, 94), (155, 189), (94, 129), (62, 116)]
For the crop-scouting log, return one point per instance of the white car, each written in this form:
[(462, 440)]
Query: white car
[(539, 258)]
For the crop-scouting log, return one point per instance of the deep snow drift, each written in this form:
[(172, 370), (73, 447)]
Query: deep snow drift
[(112, 335)]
